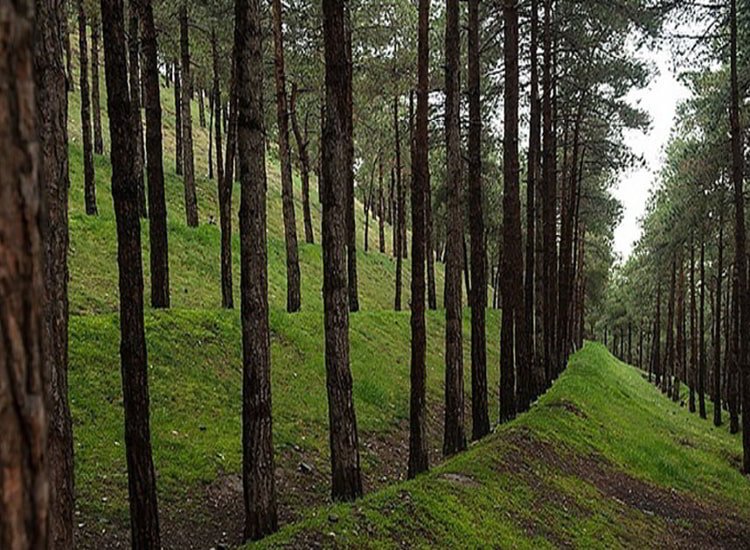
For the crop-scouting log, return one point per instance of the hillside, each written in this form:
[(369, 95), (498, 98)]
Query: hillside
[(602, 460)]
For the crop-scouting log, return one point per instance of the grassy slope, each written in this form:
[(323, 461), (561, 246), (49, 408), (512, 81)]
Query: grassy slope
[(535, 483), (195, 348)]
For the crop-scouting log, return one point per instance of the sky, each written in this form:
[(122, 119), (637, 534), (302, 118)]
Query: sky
[(660, 100)]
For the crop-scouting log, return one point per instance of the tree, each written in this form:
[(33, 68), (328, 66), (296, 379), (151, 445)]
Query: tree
[(717, 328), (454, 438), (177, 117), (225, 190), (293, 298), (188, 165), (336, 143), (134, 71), (89, 183), (351, 228), (701, 335), (399, 216), (258, 463), (303, 142), (95, 101), (144, 519)]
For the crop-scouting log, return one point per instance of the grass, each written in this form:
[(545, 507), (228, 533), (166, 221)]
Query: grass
[(599, 412)]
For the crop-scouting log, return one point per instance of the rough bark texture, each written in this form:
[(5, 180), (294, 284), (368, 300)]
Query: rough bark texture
[(134, 73), (177, 117), (430, 248), (225, 192), (479, 408), (418, 450), (144, 522), (454, 439), (95, 100), (188, 162), (293, 293), (89, 183), (351, 228), (303, 142), (24, 498), (52, 120), (257, 443), (399, 214), (157, 229), (345, 468)]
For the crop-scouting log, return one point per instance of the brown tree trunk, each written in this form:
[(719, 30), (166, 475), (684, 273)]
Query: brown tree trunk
[(351, 227), (89, 183), (701, 333), (52, 120), (201, 109), (215, 104), (345, 468), (398, 214), (95, 101), (301, 136), (679, 363), (732, 356), (656, 341), (135, 105), (158, 245), (693, 331), (454, 439), (293, 295), (257, 437), (178, 117), (666, 382), (479, 408), (429, 248), (188, 163), (144, 519), (24, 498), (717, 326), (225, 191), (418, 451), (381, 207)]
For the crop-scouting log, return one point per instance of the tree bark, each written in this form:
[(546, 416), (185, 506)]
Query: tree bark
[(135, 105), (178, 117), (201, 108), (188, 162), (732, 356), (215, 104), (454, 439), (666, 382), (141, 479), (399, 214), (679, 363), (351, 228), (225, 191), (303, 142), (717, 326), (430, 248), (293, 295), (381, 207), (693, 331), (702, 332), (95, 100), (345, 467), (89, 183)]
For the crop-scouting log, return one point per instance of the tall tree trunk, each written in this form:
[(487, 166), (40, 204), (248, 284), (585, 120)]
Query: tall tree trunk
[(225, 190), (381, 207), (666, 381), (656, 341), (679, 363), (178, 117), (89, 183), (717, 325), (732, 356), (399, 214), (144, 519), (429, 248), (454, 439), (336, 143), (739, 237), (201, 108), (418, 451), (188, 163), (351, 222), (368, 207), (301, 136), (701, 333), (479, 407), (258, 462), (693, 330), (135, 104), (24, 499), (210, 136), (293, 293), (95, 101), (52, 120), (216, 105), (157, 229)]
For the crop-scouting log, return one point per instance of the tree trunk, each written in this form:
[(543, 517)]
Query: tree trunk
[(418, 450), (398, 213), (95, 101), (258, 460), (666, 382), (201, 109), (351, 227), (301, 136), (454, 439), (732, 357), (210, 136), (225, 189), (188, 163), (144, 519), (178, 117), (679, 363), (158, 248), (89, 183), (702, 332), (52, 120), (430, 248), (135, 105), (215, 104), (717, 326), (381, 207), (693, 331), (336, 143), (293, 296)]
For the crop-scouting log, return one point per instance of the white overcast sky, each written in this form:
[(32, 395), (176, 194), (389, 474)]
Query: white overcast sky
[(660, 100)]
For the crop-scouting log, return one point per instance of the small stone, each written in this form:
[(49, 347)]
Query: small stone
[(305, 468), (333, 518)]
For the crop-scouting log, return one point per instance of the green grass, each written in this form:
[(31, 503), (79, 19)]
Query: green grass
[(599, 412)]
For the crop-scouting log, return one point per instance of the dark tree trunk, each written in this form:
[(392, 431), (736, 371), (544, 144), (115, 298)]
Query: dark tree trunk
[(135, 105), (351, 227), (732, 356), (178, 117), (656, 342), (188, 163), (52, 120), (24, 499), (368, 207), (702, 332), (95, 101), (215, 104), (158, 248), (666, 382), (258, 461), (201, 109), (399, 214), (301, 136), (293, 293), (210, 136), (381, 207), (479, 407), (429, 248), (717, 326), (454, 439), (693, 331), (679, 363), (225, 190), (89, 183), (418, 451), (144, 519), (69, 81), (345, 469)]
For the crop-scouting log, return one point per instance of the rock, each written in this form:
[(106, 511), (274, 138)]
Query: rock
[(305, 468)]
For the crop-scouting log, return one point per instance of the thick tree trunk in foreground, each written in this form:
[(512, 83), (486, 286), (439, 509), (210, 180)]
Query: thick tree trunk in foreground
[(135, 104), (345, 469), (52, 127), (178, 117), (188, 162), (144, 519), (479, 408), (293, 296), (717, 327), (454, 439), (225, 191), (702, 338), (157, 229), (24, 499), (418, 450), (89, 183), (258, 461), (96, 108), (301, 137)]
